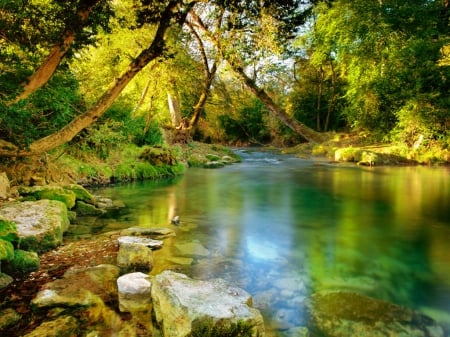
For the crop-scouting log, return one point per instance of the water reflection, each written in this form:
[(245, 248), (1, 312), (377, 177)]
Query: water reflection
[(283, 228)]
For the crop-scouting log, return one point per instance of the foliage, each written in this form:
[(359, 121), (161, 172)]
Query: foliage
[(249, 125), (44, 112)]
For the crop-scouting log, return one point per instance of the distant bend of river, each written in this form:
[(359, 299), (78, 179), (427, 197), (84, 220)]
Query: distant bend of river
[(283, 228)]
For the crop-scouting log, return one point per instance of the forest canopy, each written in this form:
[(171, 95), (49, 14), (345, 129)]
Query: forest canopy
[(234, 72)]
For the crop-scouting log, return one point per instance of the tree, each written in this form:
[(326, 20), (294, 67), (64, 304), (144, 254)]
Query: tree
[(233, 45), (173, 10)]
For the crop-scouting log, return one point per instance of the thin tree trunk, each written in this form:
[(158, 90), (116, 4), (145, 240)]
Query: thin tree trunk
[(46, 70), (69, 131), (333, 96), (209, 77), (174, 109)]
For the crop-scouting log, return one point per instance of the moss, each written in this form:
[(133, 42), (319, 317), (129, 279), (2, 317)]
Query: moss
[(84, 208), (6, 250), (23, 262), (348, 154), (58, 193), (81, 193), (207, 328), (8, 231)]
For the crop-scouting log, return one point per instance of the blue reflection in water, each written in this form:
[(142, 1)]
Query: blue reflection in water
[(283, 228)]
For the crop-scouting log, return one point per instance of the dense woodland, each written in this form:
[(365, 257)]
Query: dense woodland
[(96, 74)]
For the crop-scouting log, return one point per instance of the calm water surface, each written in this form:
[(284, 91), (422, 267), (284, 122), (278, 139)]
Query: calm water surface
[(283, 228)]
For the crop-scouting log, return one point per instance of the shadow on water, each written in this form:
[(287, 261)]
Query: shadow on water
[(283, 228)]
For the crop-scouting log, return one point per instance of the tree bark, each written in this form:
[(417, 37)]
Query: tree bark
[(69, 131), (209, 77), (46, 70)]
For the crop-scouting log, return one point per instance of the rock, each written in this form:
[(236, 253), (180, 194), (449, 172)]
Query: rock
[(50, 192), (23, 262), (84, 209), (336, 314), (64, 326), (185, 261), (134, 292), (40, 224), (153, 232), (4, 186), (213, 164), (6, 250), (135, 257), (5, 281), (188, 307), (81, 193), (86, 287), (147, 242), (8, 318), (192, 249), (8, 231)]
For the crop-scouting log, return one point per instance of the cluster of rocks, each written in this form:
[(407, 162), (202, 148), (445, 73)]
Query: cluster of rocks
[(168, 304)]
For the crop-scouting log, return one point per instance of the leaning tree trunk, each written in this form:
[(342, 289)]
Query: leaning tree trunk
[(69, 131), (309, 134), (46, 70)]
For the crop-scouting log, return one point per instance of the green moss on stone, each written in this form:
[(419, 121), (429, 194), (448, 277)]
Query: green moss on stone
[(6, 250), (8, 231), (58, 193), (81, 193), (23, 262)]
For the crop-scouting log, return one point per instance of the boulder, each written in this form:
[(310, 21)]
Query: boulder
[(134, 292), (84, 209), (50, 192), (188, 307), (85, 287), (213, 164), (40, 224), (134, 257), (81, 193), (63, 326), (4, 186), (339, 314)]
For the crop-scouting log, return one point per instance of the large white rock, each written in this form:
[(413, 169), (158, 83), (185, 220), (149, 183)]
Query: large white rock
[(40, 224), (134, 292), (150, 243), (184, 306)]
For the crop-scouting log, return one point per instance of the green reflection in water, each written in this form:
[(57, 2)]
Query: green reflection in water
[(283, 228)]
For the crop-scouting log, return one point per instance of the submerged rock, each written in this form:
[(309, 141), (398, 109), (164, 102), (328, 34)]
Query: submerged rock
[(192, 249), (84, 287), (188, 307), (40, 224), (153, 232), (342, 314), (8, 318), (63, 326), (147, 242)]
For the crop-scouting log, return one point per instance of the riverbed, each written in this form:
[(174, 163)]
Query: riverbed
[(284, 228)]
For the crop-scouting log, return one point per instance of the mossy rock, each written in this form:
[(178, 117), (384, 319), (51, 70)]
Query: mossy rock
[(8, 231), (49, 192), (23, 262), (87, 209), (5, 281), (158, 156), (6, 250), (8, 318), (81, 193)]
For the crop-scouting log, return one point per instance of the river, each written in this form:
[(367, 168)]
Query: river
[(283, 228)]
